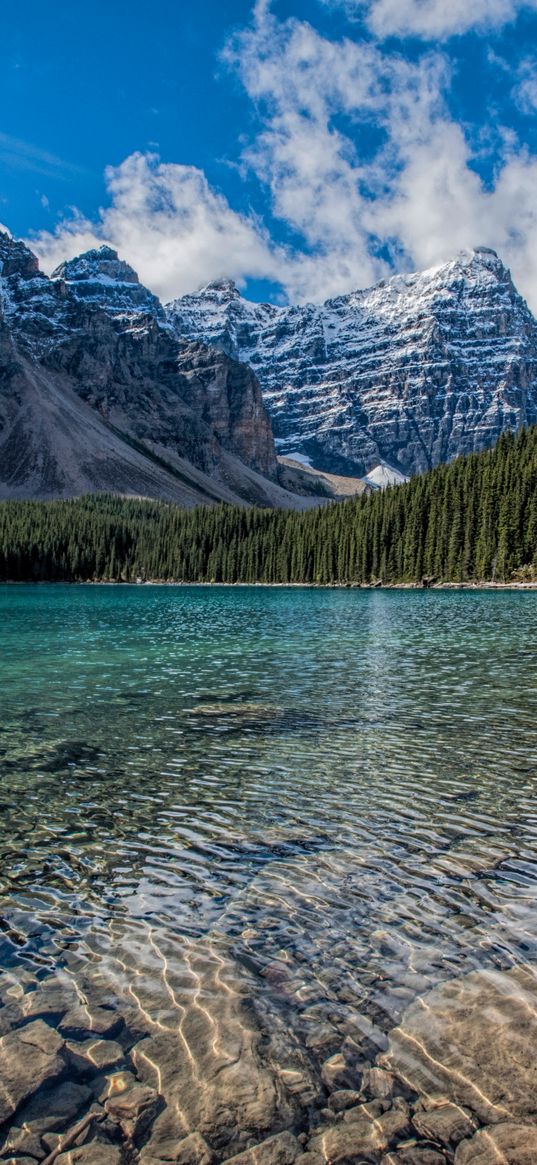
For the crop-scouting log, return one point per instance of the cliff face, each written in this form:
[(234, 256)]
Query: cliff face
[(102, 388), (92, 336), (411, 372)]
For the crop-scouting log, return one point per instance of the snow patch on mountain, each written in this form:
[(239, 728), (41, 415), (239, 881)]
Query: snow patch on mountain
[(299, 457), (104, 280), (410, 372), (384, 475)]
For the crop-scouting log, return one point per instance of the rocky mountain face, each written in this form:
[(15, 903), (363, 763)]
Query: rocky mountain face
[(411, 372), (103, 388), (97, 391)]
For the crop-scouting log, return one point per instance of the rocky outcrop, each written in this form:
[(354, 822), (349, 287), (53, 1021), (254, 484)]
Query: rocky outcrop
[(411, 372), (97, 392), (101, 278)]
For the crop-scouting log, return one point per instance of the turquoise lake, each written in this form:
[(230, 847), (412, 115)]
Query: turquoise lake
[(291, 811)]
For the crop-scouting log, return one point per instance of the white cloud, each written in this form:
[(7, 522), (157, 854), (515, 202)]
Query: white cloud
[(525, 91), (434, 19), (413, 196), (362, 162), (175, 231), (320, 186)]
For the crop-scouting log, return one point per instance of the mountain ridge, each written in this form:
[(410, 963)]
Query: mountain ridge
[(97, 392), (412, 371), (371, 385)]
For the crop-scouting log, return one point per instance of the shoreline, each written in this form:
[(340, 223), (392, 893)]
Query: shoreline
[(336, 586)]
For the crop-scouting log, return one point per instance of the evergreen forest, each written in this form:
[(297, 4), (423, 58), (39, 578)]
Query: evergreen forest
[(472, 520)]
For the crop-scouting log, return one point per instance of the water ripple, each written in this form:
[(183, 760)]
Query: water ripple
[(333, 790)]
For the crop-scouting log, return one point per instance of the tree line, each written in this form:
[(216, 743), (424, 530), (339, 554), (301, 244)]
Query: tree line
[(474, 519)]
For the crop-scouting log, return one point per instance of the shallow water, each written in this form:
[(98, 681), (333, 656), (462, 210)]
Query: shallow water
[(328, 793)]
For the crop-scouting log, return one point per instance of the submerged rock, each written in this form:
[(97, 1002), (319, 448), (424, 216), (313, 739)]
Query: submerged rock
[(377, 1082), (95, 1055), (344, 1098), (19, 1142), (134, 1110), (414, 1155), (114, 1084), (10, 1017), (337, 1074), (365, 1134), (246, 714), (448, 1124), (29, 1058), (84, 1021), (95, 1153), (218, 1071), (56, 1108), (504, 1144), (163, 1145), (473, 1041), (279, 1150), (18, 1160), (49, 1000), (234, 708)]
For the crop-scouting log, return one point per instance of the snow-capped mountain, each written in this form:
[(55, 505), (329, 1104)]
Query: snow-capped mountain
[(98, 393), (103, 388), (101, 278), (410, 373)]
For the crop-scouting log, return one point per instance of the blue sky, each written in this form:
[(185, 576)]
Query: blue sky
[(303, 148)]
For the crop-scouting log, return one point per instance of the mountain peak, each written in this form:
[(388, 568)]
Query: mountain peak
[(102, 278), (104, 252), (97, 263), (482, 256), (475, 261), (409, 373), (475, 266), (486, 251), (223, 288), (16, 258)]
